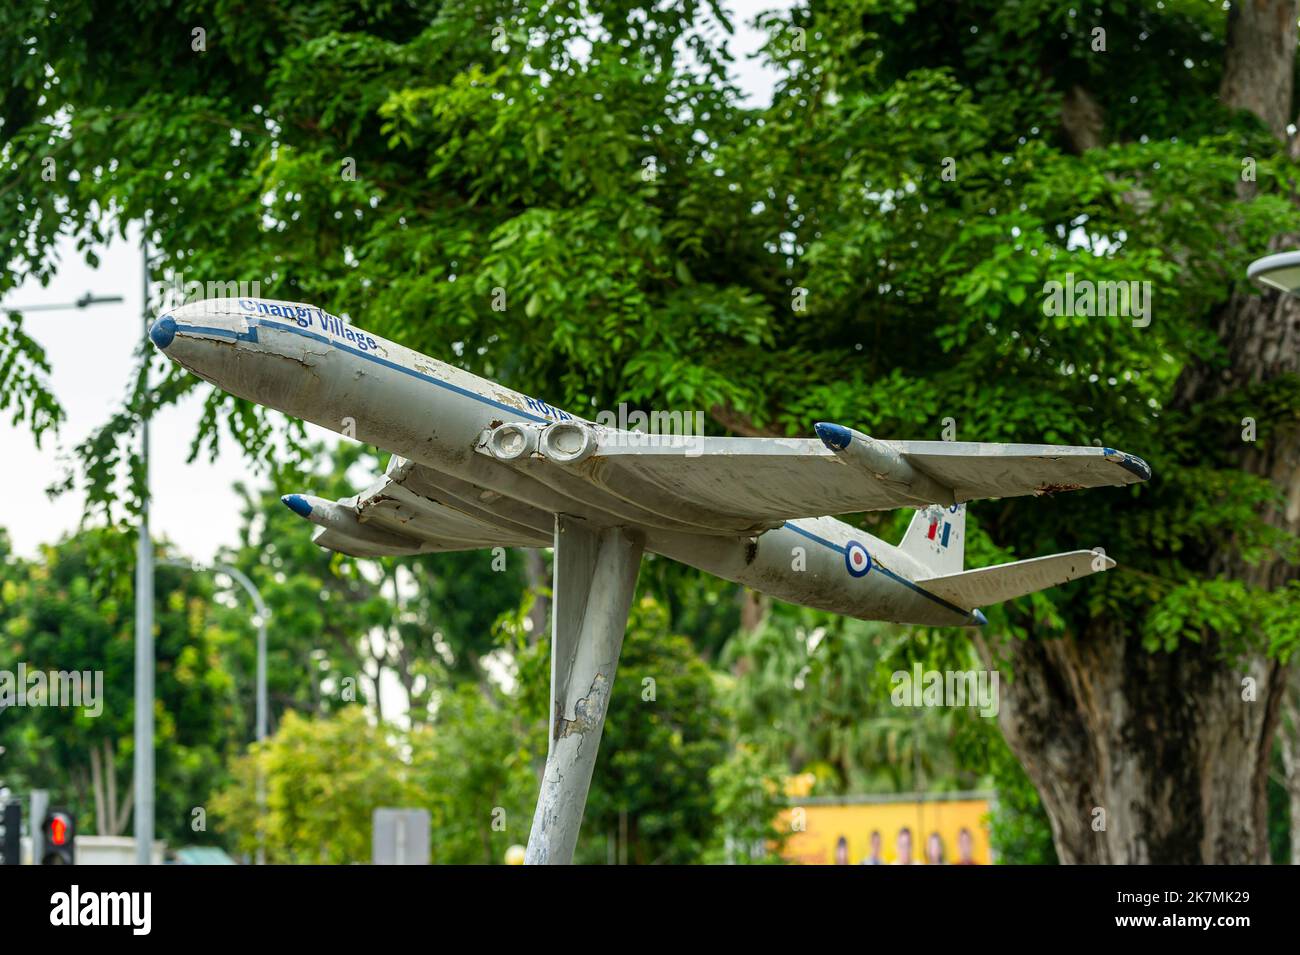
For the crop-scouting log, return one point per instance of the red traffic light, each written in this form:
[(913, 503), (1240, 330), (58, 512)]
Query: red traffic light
[(59, 834)]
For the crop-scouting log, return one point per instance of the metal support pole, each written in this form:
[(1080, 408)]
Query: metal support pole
[(261, 735), (144, 658), (595, 576), (261, 675)]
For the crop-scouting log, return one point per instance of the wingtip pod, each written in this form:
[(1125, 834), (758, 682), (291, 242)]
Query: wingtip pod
[(836, 437), (340, 519), (297, 503), (884, 462), (318, 510)]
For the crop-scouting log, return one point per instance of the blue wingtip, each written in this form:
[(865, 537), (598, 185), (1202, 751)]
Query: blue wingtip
[(1129, 462), (163, 331), (297, 503), (979, 618), (834, 436)]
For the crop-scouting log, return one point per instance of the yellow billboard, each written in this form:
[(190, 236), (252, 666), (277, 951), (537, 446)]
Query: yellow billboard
[(934, 829)]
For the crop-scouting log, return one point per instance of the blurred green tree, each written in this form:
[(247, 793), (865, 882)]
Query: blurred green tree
[(875, 247), (324, 777), (70, 611), (474, 768)]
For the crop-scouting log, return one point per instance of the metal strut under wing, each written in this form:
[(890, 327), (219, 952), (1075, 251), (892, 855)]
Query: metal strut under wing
[(595, 575)]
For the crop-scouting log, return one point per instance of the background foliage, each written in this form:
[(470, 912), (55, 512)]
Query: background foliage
[(651, 237)]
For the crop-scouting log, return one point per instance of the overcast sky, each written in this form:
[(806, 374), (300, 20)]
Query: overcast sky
[(90, 353)]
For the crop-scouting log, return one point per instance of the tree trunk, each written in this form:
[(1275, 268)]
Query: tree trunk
[(1289, 736), (1141, 757), (124, 812), (1261, 57), (1169, 752), (110, 796), (753, 609), (103, 818), (1155, 757)]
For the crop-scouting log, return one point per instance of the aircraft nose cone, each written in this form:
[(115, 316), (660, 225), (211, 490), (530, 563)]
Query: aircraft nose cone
[(834, 436), (163, 331)]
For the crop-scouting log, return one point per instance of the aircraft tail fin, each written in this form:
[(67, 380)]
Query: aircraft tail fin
[(936, 539)]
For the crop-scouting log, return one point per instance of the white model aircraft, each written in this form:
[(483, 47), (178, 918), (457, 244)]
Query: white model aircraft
[(476, 465)]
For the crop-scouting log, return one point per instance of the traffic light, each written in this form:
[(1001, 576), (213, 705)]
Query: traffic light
[(59, 836)]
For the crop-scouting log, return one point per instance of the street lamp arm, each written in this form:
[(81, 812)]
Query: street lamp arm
[(235, 574), (256, 595)]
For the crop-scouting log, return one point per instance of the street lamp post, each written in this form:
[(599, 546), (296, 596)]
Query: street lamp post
[(143, 763), (144, 661)]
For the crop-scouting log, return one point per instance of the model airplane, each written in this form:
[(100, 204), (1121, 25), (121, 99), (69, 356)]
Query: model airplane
[(476, 465)]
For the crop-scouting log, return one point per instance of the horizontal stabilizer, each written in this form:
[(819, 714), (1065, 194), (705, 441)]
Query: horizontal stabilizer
[(991, 585)]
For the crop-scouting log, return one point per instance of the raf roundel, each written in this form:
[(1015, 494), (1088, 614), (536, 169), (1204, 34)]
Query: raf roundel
[(856, 559)]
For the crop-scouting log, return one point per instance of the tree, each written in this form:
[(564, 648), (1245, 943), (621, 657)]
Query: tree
[(451, 175), (473, 767), (1166, 710), (324, 778), (323, 607), (813, 693), (422, 619), (69, 612), (973, 157), (747, 803), (599, 222)]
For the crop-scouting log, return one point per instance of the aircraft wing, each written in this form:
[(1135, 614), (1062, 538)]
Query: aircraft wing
[(405, 512), (771, 480), (713, 486)]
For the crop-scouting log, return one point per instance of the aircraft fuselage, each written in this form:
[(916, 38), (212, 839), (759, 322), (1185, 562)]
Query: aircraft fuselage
[(315, 366)]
